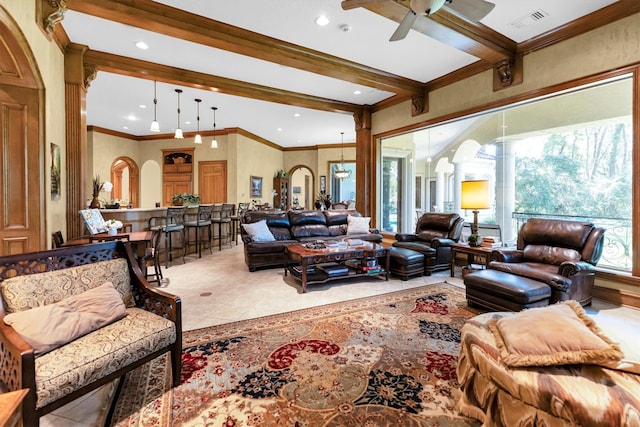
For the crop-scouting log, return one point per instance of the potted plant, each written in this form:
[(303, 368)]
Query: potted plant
[(187, 199), (474, 240)]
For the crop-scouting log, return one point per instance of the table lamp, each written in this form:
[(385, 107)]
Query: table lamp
[(475, 195)]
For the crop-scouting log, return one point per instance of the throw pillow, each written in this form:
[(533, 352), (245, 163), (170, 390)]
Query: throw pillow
[(50, 326), (560, 334), (358, 224), (259, 231)]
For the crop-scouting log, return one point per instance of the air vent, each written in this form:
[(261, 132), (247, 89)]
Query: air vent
[(529, 19)]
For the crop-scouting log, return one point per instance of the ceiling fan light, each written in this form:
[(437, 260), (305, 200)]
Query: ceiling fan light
[(197, 139), (178, 134), (155, 126)]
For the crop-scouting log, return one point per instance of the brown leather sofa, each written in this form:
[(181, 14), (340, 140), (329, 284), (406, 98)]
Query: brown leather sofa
[(435, 232), (559, 253), (296, 227)]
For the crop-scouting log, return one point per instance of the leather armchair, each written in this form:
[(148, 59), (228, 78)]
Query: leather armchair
[(560, 253), (435, 232)]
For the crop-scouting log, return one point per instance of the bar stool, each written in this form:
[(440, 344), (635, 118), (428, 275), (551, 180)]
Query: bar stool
[(218, 217), (173, 223), (203, 219)]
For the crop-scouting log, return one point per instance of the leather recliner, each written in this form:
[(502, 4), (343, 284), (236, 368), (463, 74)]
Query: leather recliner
[(560, 253), (435, 232)]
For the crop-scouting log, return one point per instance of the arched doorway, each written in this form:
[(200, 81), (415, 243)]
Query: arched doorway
[(302, 184), (125, 177), (22, 188)]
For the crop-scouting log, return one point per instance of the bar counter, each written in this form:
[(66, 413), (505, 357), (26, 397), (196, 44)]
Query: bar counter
[(139, 217)]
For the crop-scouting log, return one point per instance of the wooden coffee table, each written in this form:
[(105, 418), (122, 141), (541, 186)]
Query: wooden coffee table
[(299, 253)]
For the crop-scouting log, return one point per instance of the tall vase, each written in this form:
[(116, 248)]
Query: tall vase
[(95, 203)]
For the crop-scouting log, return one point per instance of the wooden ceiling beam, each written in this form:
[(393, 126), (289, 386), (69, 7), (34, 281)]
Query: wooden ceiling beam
[(178, 23), (116, 64)]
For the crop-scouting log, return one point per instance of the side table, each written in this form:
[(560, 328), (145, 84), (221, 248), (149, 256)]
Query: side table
[(11, 408), (471, 251)]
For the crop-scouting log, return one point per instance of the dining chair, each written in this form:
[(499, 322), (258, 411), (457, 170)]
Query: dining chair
[(56, 239), (173, 224), (152, 259), (202, 221)]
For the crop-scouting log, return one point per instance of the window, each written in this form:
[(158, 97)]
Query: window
[(568, 156)]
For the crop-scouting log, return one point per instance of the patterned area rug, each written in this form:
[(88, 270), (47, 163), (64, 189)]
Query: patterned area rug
[(376, 361)]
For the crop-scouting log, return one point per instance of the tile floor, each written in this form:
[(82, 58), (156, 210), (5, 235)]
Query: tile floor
[(218, 288)]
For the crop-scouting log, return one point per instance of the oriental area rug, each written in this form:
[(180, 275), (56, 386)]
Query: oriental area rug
[(387, 360)]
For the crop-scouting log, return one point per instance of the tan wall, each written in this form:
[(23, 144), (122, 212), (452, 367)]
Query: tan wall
[(50, 64)]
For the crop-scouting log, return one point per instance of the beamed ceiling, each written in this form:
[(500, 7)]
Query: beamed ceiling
[(272, 72)]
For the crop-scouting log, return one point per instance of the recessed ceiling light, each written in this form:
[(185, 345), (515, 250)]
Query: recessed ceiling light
[(125, 127), (131, 117), (142, 106), (279, 129), (296, 115), (322, 20), (357, 92), (187, 123), (142, 45)]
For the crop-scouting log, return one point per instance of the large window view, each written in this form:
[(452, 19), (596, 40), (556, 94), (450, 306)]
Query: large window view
[(566, 156)]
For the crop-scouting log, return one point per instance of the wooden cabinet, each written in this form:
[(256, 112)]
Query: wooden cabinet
[(281, 185), (177, 173)]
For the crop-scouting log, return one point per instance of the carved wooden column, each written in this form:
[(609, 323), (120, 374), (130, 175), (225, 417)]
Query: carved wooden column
[(76, 137), (365, 163)]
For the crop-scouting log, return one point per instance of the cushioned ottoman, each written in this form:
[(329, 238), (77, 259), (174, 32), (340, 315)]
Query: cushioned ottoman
[(406, 263), (500, 291)]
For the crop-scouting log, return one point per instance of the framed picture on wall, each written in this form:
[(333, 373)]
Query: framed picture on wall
[(323, 184), (296, 190), (256, 186)]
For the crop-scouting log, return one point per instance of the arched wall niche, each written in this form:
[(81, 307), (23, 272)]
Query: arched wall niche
[(125, 177), (298, 180)]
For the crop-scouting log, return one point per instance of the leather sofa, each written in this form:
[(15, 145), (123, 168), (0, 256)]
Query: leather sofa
[(559, 253), (435, 232), (296, 226)]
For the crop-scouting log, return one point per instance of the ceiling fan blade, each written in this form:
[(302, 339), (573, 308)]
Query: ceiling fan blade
[(352, 4), (404, 27), (475, 10)]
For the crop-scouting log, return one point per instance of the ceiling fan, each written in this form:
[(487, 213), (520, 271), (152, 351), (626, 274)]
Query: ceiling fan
[(474, 10)]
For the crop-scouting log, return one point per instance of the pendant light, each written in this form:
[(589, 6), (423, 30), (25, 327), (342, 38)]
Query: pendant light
[(214, 143), (178, 134), (198, 138), (342, 173), (155, 126)]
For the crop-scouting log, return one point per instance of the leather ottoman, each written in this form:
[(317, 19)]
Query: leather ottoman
[(500, 291), (406, 263)]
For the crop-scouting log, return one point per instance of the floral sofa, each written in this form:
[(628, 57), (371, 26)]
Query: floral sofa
[(566, 388), (39, 350)]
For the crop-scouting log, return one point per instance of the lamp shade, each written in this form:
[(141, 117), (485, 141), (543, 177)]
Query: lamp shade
[(475, 195)]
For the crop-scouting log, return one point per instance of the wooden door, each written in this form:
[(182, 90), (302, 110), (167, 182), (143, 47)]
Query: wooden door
[(20, 184), (212, 181)]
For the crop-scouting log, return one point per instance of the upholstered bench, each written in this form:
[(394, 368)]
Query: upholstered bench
[(75, 318), (406, 263), (500, 291)]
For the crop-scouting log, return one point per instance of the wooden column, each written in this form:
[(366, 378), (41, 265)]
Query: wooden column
[(365, 164), (76, 137)]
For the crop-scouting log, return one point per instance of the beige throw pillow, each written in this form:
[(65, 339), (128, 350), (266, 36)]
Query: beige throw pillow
[(560, 334), (358, 224), (53, 325), (259, 231)]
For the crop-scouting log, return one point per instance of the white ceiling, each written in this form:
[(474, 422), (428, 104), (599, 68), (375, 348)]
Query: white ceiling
[(114, 101)]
